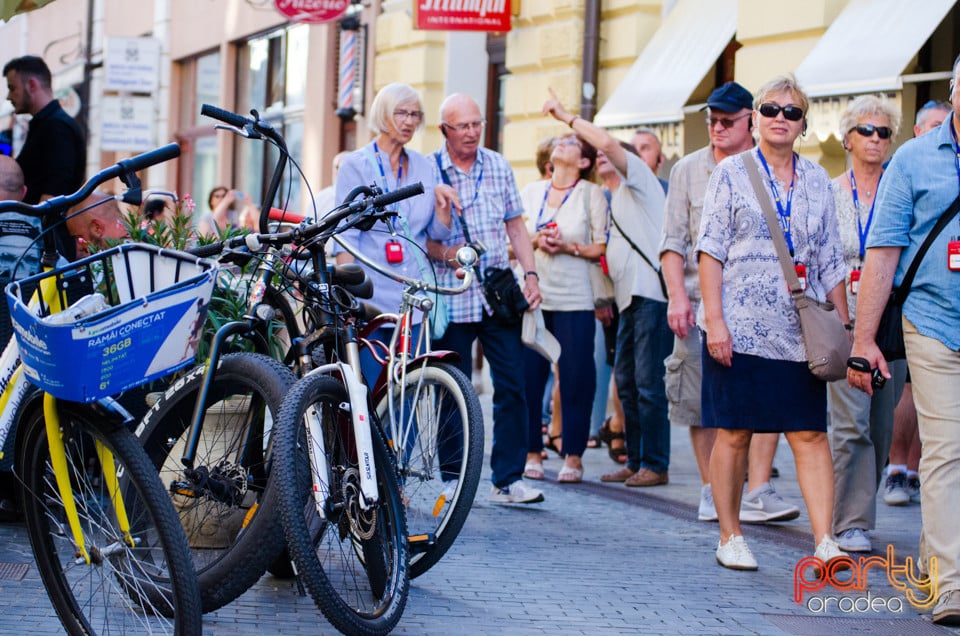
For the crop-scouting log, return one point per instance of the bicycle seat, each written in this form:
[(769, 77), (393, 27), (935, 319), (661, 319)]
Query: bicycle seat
[(352, 278)]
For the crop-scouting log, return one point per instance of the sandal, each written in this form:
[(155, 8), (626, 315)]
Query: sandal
[(551, 443), (533, 470), (618, 455), (568, 475), (594, 441), (605, 434)]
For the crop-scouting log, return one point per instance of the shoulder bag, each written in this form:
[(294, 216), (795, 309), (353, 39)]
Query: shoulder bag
[(633, 246), (825, 339), (890, 330)]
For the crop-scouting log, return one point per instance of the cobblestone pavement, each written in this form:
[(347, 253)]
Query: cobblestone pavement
[(592, 559)]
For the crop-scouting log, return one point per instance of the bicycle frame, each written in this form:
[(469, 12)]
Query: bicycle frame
[(15, 389), (401, 356)]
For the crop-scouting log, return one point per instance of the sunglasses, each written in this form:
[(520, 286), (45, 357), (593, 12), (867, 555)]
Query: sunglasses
[(790, 113), (867, 130), (725, 122)]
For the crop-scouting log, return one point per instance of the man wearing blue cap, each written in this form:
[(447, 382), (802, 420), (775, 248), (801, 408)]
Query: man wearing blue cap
[(729, 125)]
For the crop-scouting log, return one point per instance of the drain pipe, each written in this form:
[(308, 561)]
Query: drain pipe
[(591, 59)]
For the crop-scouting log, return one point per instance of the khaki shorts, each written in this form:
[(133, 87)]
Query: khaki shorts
[(682, 380)]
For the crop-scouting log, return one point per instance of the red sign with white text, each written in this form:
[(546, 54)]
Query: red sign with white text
[(312, 11), (463, 15)]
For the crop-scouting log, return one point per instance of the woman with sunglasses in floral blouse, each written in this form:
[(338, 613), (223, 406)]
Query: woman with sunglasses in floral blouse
[(755, 375)]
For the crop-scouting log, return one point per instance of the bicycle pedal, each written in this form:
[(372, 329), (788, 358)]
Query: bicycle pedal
[(181, 488), (420, 543)]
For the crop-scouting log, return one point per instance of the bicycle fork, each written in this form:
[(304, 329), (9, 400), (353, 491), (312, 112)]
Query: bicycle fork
[(58, 458), (362, 433)]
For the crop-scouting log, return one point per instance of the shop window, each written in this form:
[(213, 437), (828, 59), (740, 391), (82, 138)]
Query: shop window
[(271, 78), (199, 161)]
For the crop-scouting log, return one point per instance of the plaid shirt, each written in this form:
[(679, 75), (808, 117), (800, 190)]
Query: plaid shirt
[(490, 197)]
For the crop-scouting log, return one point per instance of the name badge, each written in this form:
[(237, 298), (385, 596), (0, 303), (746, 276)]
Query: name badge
[(854, 281), (394, 252), (953, 256), (801, 270)]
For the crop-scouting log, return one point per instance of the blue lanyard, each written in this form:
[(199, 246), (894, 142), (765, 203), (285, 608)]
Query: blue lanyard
[(861, 230), (546, 193), (476, 189), (784, 214), (383, 175)]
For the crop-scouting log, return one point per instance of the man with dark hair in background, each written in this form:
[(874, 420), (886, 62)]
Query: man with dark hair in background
[(53, 157)]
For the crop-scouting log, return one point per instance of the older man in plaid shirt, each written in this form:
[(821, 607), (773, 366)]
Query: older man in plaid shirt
[(481, 187)]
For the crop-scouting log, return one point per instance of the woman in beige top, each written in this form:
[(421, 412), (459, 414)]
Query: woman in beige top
[(568, 229)]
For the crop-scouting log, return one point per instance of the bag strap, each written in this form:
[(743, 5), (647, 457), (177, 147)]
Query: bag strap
[(454, 210), (663, 283), (900, 292), (776, 232)]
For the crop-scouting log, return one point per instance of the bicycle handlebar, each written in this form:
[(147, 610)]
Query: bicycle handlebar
[(232, 119), (467, 259), (120, 169), (303, 233)]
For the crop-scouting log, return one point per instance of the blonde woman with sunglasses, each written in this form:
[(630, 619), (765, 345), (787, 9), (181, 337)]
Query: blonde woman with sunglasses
[(755, 375)]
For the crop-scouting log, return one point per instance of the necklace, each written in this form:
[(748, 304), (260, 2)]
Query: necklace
[(556, 187)]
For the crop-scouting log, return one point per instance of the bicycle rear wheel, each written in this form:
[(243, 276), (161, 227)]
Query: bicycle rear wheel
[(439, 450), (150, 587), (353, 561), (224, 502)]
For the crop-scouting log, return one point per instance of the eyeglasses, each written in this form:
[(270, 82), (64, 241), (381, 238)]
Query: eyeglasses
[(402, 115), (791, 113), (725, 122), (867, 130), (472, 125), (568, 141)]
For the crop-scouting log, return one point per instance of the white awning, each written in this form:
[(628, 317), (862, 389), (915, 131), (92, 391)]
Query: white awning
[(682, 51), (869, 45)]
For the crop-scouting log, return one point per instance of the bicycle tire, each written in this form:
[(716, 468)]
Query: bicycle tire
[(447, 415), (143, 589), (355, 566), (227, 510)]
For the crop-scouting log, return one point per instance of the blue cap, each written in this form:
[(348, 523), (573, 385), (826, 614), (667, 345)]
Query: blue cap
[(730, 98)]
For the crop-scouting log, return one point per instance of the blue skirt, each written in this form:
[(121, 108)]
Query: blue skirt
[(761, 395)]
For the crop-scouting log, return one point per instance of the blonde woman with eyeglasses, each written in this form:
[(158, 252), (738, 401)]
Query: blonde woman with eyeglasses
[(396, 114)]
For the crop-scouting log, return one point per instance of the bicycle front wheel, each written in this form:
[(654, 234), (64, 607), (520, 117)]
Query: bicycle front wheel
[(436, 432), (223, 501), (352, 560), (147, 587)]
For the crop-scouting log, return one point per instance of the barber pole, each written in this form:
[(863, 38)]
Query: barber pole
[(348, 74)]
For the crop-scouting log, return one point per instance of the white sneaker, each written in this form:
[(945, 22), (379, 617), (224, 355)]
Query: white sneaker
[(913, 488), (735, 554), (517, 492), (764, 504), (706, 511), (895, 490), (854, 540), (827, 551)]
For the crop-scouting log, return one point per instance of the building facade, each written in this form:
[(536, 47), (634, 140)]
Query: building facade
[(631, 62)]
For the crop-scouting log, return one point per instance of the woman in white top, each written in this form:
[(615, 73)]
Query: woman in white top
[(568, 228)]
